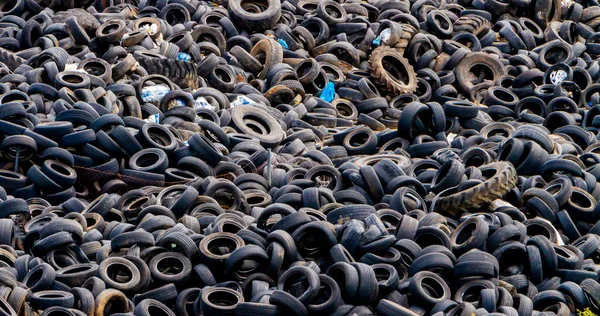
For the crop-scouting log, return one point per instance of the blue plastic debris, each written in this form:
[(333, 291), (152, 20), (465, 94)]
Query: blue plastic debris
[(328, 92), (240, 100), (178, 102), (384, 36), (154, 93), (184, 57), (202, 103), (154, 118), (283, 43)]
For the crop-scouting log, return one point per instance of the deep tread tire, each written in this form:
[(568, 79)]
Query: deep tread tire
[(504, 180), (10, 59), (384, 78), (181, 73)]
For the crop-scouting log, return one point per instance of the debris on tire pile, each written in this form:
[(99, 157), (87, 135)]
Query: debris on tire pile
[(299, 157)]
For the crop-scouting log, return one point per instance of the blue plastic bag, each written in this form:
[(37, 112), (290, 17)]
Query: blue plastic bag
[(328, 92), (283, 43)]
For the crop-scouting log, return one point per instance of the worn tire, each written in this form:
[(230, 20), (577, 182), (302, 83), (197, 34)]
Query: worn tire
[(379, 66), (255, 21), (463, 69), (181, 73), (504, 180), (10, 59)]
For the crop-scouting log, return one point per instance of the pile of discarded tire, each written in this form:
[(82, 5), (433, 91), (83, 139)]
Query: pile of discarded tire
[(299, 157)]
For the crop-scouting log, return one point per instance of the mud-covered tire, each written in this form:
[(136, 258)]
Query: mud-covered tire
[(473, 24), (181, 73), (273, 54), (407, 33), (465, 67), (503, 180), (84, 18), (381, 61)]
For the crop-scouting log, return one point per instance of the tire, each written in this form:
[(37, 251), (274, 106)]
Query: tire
[(216, 247), (254, 21), (60, 173), (12, 180), (183, 242), (181, 73), (75, 275), (7, 235), (423, 296), (45, 299), (129, 239), (389, 308), (205, 148), (184, 299), (248, 252), (17, 298), (407, 84), (84, 300), (252, 309), (163, 294), (347, 278), (346, 213), (150, 307), (503, 180), (229, 299), (288, 304), (158, 159), (463, 69), (368, 288), (327, 6), (175, 278), (40, 278), (51, 242), (131, 285), (25, 144), (61, 225), (297, 273), (270, 138), (11, 60), (111, 302), (329, 304)]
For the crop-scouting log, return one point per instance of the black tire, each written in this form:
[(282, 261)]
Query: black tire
[(297, 273), (289, 304), (84, 300), (40, 278), (181, 73), (254, 21), (129, 239), (205, 149), (389, 308), (429, 298), (150, 307), (106, 272), (217, 247), (76, 274), (273, 133), (181, 263), (503, 180), (60, 173), (45, 299), (227, 303)]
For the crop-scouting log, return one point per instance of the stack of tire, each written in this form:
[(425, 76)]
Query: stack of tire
[(299, 157)]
